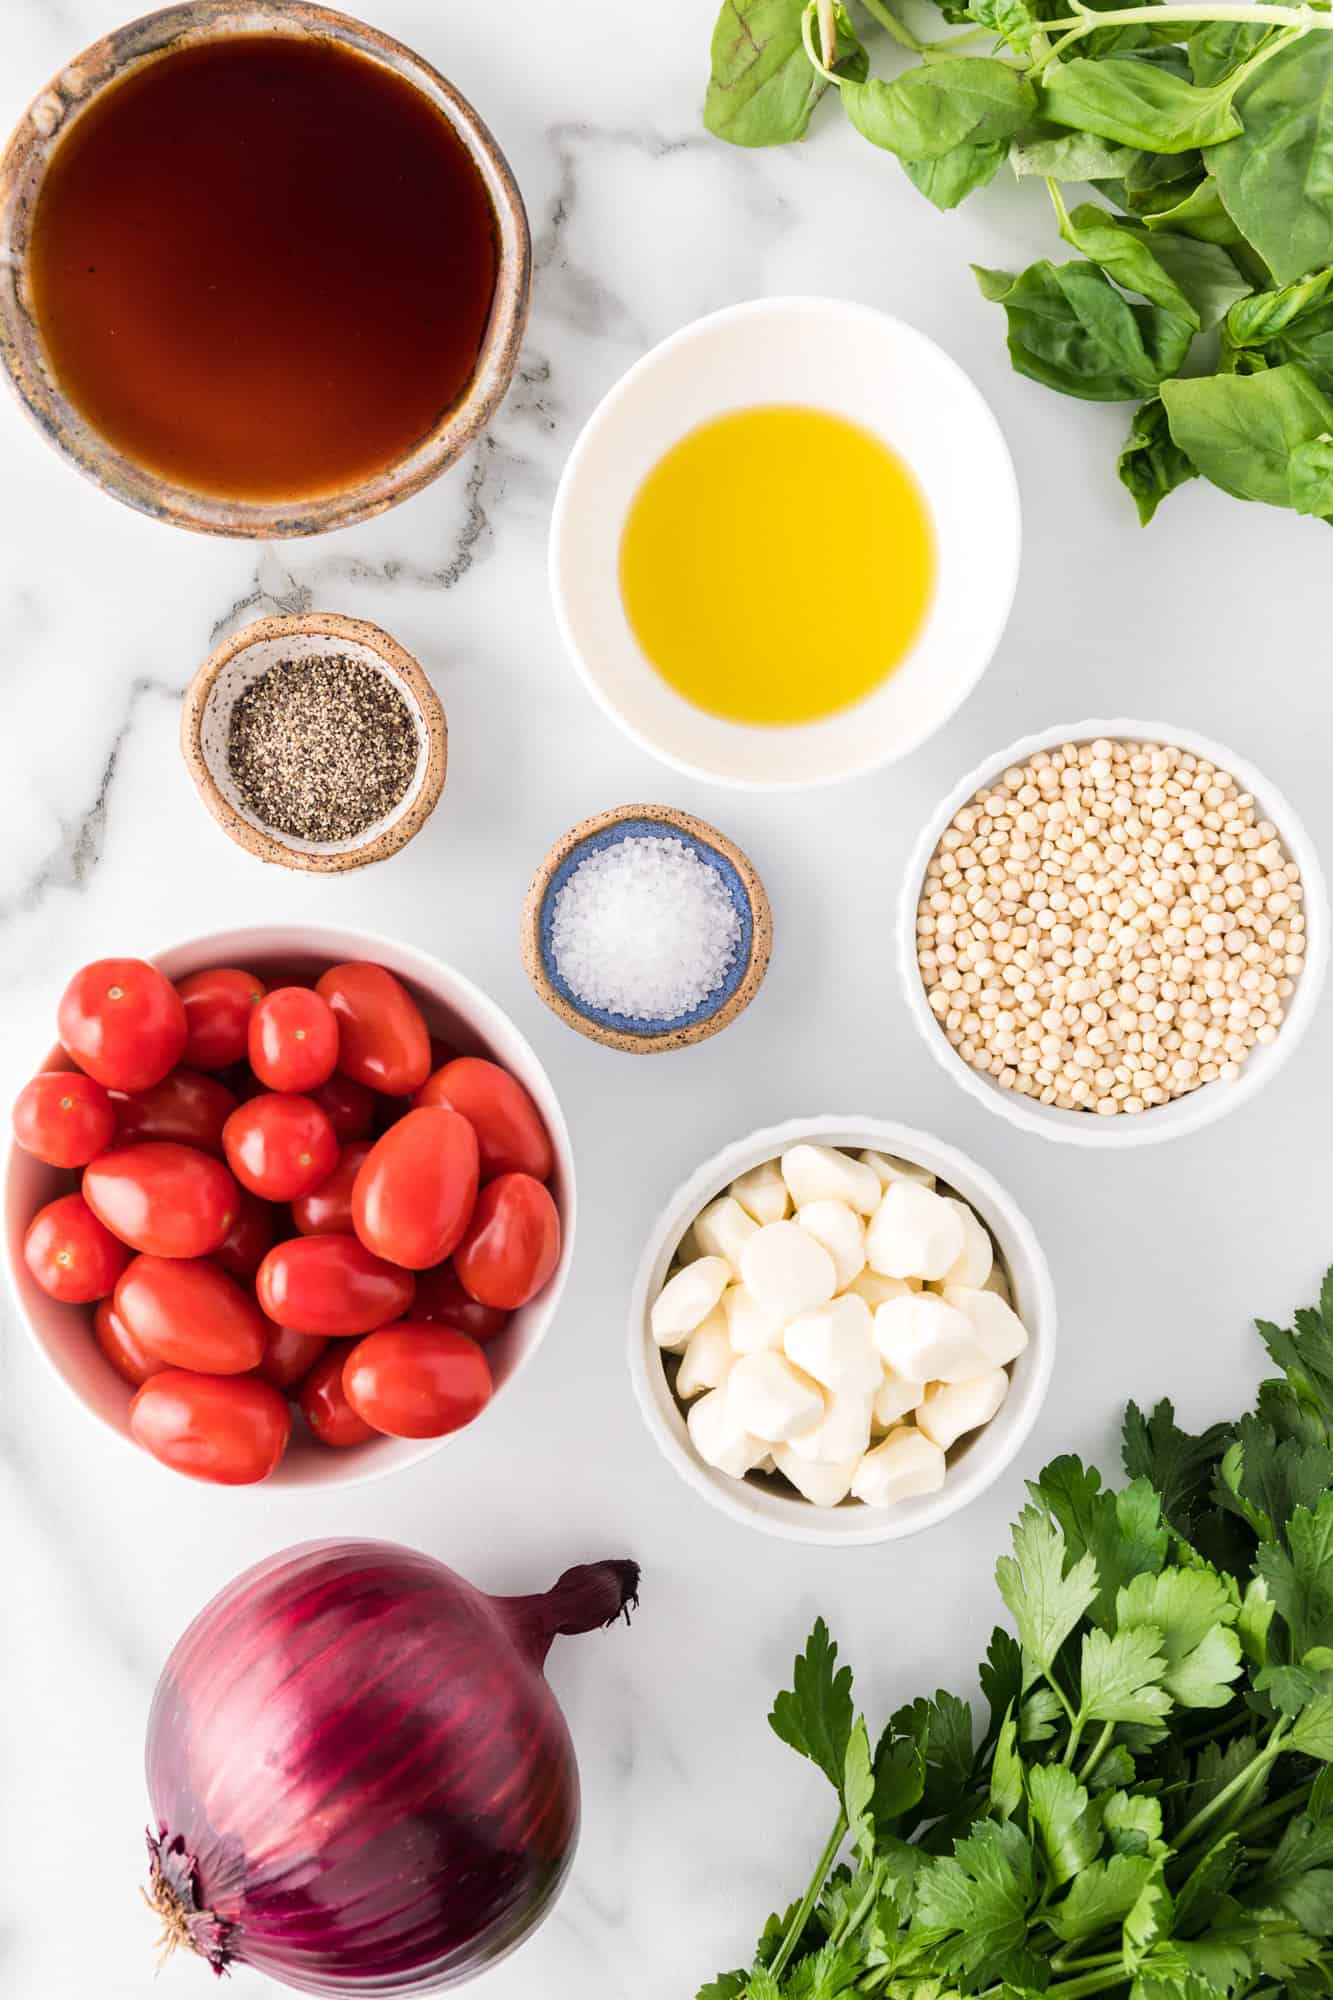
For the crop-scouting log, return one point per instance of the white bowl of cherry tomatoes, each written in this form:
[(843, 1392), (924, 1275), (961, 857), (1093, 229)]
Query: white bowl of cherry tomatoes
[(287, 1204)]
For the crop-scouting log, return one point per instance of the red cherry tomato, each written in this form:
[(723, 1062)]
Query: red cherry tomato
[(172, 1201), (71, 1254), (441, 1298), (64, 1118), (349, 1106), (293, 1039), (218, 1005), (290, 1355), (414, 1380), (192, 1315), (230, 1429), (323, 1401), (509, 1128), (187, 1108), (280, 1146), (331, 1284), (128, 1356), (382, 1039), (123, 1022), (512, 1243), (250, 1238), (416, 1190), (327, 1209)]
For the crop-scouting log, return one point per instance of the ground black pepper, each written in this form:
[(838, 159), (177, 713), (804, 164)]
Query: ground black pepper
[(320, 748)]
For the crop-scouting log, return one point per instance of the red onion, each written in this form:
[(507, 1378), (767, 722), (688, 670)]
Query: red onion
[(361, 1781)]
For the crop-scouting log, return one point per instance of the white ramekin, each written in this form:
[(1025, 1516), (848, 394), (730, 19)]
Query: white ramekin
[(973, 1464)]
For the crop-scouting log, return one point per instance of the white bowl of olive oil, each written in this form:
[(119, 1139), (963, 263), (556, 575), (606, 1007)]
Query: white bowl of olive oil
[(785, 546)]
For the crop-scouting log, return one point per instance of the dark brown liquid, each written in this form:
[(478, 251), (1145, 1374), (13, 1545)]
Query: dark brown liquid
[(263, 267)]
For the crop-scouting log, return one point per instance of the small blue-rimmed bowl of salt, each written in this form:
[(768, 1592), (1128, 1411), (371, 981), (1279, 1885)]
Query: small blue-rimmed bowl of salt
[(646, 929)]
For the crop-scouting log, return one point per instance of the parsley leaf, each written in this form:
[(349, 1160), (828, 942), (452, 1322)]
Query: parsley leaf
[(1200, 1895), (1147, 1920), (858, 1791), (1313, 1733), (1191, 1611), (1006, 1777), (815, 1715), (1132, 1824), (1001, 1676), (1101, 1895), (1067, 1829), (1300, 1577), (1305, 1355), (900, 1778), (1046, 1604), (1122, 1532), (1299, 1874), (942, 1730), (982, 1892), (1178, 1465), (1120, 1677)]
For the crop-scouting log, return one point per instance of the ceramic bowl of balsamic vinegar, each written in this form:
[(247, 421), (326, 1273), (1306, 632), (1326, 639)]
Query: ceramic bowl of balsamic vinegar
[(263, 270)]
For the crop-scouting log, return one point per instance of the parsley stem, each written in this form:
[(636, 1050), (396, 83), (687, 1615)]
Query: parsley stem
[(851, 1924), (1276, 1809), (1097, 1752), (1239, 1785), (1087, 1964), (807, 1903)]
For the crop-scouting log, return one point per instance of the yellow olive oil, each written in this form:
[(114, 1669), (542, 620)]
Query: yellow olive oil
[(777, 564)]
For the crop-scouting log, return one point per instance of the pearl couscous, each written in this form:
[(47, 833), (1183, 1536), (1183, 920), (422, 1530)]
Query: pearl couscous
[(1108, 926)]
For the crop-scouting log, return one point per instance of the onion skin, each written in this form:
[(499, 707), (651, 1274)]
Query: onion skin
[(361, 1783)]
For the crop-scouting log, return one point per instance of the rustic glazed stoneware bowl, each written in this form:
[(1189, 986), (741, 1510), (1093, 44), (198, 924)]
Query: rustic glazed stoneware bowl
[(23, 165), (241, 659)]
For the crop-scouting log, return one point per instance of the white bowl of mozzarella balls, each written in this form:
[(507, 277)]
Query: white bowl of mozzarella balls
[(842, 1330)]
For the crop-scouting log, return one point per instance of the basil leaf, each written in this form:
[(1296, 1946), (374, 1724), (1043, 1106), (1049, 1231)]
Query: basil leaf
[(1012, 20), (1150, 171), (1151, 463), (1244, 432), (1137, 104), (1071, 329), (1276, 177), (1068, 156), (1294, 323), (1203, 272), (1199, 213), (1216, 48), (1122, 251), (957, 173), (928, 111), (761, 88)]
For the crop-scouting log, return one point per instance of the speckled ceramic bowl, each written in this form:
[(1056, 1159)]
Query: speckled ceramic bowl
[(637, 1034), (23, 359)]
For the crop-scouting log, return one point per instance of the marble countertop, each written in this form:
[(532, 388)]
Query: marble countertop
[(696, 1821)]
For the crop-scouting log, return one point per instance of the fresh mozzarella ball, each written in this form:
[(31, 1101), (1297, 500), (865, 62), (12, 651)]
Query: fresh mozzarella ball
[(927, 1340), (843, 1434), (996, 1327), (973, 1264), (762, 1193), (886, 1168), (874, 1288), (786, 1269), (950, 1408), (824, 1485), (906, 1464), (772, 1399), (998, 1282), (822, 1173), (721, 1229), (913, 1233), (750, 1326), (687, 1299), (842, 1233), (718, 1437), (706, 1362), (835, 1344), (895, 1398)]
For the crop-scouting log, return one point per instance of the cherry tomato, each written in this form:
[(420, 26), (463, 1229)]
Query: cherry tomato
[(230, 1429), (250, 1238), (323, 1400), (172, 1201), (128, 1356), (327, 1209), (280, 1146), (416, 1190), (123, 1022), (512, 1243), (71, 1254), (414, 1380), (192, 1314), (382, 1039), (64, 1118), (187, 1107), (293, 1039), (290, 1355), (218, 1005), (508, 1125), (440, 1297), (331, 1284), (349, 1106)]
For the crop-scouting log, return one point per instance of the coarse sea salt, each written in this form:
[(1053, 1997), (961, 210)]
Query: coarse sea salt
[(644, 929)]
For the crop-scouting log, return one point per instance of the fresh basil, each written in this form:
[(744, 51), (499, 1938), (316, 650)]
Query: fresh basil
[(1199, 213), (949, 179), (1276, 176), (1137, 104), (1151, 463), (1293, 324), (1196, 280), (1250, 434), (1219, 47), (1067, 156), (928, 111), (1071, 329), (761, 88)]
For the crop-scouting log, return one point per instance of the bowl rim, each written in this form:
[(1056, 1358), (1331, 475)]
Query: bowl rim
[(865, 1526), (1208, 1103), (794, 303), (99, 66), (411, 1451)]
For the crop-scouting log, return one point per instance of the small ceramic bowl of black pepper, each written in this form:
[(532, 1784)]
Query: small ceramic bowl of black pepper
[(316, 741), (646, 929)]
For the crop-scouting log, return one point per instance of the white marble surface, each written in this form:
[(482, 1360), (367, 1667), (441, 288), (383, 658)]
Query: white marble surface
[(696, 1820)]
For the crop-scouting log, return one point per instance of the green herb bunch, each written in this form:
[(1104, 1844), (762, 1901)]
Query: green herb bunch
[(1207, 125), (1149, 1811)]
